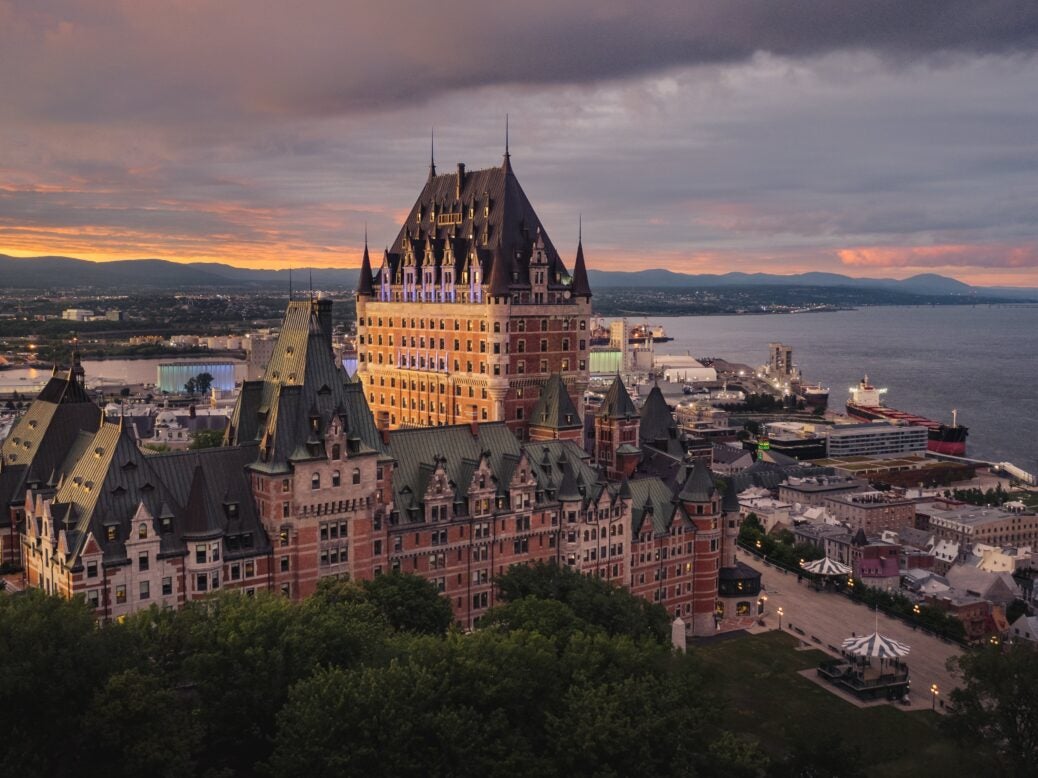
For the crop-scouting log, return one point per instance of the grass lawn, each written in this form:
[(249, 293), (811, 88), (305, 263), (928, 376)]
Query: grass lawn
[(770, 701)]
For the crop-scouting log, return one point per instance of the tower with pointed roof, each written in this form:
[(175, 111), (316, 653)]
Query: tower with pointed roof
[(616, 443), (471, 309)]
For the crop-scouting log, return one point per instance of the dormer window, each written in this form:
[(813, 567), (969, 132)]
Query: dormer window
[(166, 525), (142, 532), (110, 534)]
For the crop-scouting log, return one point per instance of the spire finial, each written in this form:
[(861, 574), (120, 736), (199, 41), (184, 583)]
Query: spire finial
[(365, 236), (580, 227), (506, 136), (432, 152), (290, 284)]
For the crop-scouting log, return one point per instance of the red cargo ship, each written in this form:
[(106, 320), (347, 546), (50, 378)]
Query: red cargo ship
[(866, 403)]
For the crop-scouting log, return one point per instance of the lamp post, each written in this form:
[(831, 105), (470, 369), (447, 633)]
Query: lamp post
[(780, 613), (916, 610), (934, 691)]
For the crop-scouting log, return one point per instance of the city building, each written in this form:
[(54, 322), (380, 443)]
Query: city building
[(77, 314), (813, 491), (968, 525), (471, 309), (872, 511), (309, 487), (875, 439)]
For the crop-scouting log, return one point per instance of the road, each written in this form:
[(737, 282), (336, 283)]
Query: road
[(833, 617)]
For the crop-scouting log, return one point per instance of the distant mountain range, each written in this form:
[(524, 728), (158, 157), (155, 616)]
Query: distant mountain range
[(159, 274)]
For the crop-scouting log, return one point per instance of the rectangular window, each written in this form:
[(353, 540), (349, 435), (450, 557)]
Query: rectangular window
[(92, 598), (200, 555), (120, 593), (167, 586), (142, 562), (250, 569), (235, 572), (201, 582), (378, 548), (284, 564), (91, 569), (145, 590)]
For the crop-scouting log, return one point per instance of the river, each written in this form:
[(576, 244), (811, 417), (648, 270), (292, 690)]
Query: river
[(980, 360)]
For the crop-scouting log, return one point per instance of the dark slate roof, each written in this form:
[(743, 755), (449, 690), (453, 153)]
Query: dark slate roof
[(302, 382), (418, 451), (548, 460), (651, 498), (727, 454), (769, 475), (41, 438), (740, 572), (581, 287), (568, 490), (617, 403), (699, 484), (656, 419), (554, 408), (109, 480), (364, 286), (730, 500), (497, 239)]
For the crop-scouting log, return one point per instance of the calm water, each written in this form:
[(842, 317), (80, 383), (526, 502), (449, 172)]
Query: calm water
[(108, 371), (980, 360)]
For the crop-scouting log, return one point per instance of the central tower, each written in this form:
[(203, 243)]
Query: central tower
[(471, 310)]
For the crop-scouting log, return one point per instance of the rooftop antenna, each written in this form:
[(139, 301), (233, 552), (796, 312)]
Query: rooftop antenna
[(506, 136)]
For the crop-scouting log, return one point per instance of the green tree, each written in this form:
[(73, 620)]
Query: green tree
[(52, 661), (998, 704), (204, 382), (206, 438), (593, 600), (191, 386), (409, 602), (138, 726)]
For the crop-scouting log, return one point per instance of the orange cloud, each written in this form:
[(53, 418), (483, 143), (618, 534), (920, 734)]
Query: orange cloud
[(946, 256)]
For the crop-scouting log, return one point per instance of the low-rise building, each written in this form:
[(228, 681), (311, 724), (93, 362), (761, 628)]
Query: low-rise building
[(1025, 628), (815, 490), (872, 511), (970, 525), (875, 439)]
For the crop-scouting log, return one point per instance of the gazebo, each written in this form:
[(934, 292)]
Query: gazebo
[(857, 674), (826, 567)]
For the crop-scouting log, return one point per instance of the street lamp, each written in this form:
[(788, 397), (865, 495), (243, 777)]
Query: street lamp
[(994, 640), (780, 613), (916, 610), (934, 691)]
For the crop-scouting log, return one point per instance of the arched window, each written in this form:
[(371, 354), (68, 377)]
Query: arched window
[(335, 478), (142, 531), (356, 475), (315, 481)]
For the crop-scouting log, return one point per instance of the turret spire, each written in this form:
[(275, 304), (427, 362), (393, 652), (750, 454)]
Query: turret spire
[(507, 163), (432, 153)]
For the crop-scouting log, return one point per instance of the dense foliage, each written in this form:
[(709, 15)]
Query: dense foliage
[(778, 547), (997, 704), (568, 675)]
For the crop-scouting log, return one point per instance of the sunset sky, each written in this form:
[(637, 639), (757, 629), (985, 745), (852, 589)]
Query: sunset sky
[(874, 138)]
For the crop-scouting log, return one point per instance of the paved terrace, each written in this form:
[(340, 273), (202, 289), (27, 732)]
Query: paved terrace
[(827, 618)]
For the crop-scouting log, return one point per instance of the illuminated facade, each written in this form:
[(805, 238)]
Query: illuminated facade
[(471, 309)]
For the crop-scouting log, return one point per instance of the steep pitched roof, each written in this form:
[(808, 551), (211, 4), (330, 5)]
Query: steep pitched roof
[(200, 519), (581, 286), (364, 286), (41, 438), (651, 499), (303, 386), (730, 501), (699, 484), (554, 408), (617, 403), (657, 423), (477, 212)]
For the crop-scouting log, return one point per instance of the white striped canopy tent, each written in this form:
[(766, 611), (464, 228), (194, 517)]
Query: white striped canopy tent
[(826, 566), (875, 645)]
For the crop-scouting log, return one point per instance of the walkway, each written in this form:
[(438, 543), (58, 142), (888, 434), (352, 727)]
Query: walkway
[(824, 619)]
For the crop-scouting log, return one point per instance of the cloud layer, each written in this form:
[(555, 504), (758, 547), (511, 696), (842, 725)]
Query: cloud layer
[(879, 136)]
